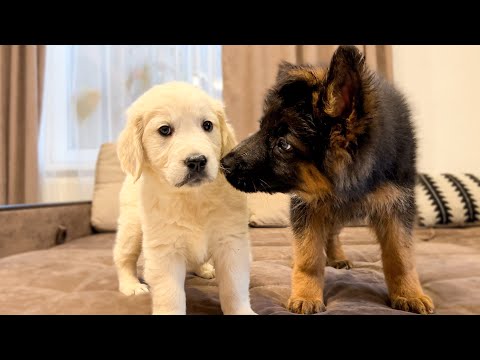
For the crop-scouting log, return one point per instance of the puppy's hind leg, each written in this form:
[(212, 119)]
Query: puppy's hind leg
[(394, 231), (335, 255), (128, 245)]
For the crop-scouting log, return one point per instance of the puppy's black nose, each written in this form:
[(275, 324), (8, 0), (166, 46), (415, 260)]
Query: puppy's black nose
[(196, 162)]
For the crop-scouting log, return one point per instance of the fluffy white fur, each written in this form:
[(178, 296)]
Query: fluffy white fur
[(180, 228)]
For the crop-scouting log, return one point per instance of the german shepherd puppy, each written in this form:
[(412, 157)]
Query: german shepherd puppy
[(341, 141)]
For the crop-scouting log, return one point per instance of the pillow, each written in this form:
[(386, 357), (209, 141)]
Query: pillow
[(269, 210), (448, 200), (108, 182)]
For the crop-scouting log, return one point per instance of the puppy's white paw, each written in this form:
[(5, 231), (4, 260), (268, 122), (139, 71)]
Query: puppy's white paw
[(133, 288), (206, 271)]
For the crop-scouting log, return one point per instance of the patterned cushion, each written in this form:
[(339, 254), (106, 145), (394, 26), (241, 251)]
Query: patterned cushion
[(448, 200)]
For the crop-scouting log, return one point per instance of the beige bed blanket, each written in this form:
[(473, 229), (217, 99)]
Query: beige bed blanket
[(79, 278)]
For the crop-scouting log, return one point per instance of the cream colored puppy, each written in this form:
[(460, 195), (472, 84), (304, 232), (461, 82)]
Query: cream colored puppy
[(176, 204)]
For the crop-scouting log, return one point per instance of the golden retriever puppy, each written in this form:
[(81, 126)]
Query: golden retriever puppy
[(176, 205)]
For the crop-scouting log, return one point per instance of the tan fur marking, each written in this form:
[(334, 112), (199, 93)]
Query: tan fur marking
[(385, 197), (308, 270), (355, 127), (313, 183), (320, 72), (335, 254), (399, 268), (311, 75), (334, 102)]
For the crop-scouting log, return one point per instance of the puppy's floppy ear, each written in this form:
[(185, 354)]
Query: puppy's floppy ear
[(229, 140), (344, 81), (129, 145)]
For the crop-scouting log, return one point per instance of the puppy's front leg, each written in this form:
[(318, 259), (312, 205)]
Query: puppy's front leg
[(232, 263), (166, 278), (310, 234)]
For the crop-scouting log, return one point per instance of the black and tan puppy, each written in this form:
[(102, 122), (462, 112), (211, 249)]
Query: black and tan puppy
[(341, 141)]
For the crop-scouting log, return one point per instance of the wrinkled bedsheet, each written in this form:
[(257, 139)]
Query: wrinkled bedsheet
[(79, 278)]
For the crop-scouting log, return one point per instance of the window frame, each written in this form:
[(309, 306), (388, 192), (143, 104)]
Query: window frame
[(56, 156)]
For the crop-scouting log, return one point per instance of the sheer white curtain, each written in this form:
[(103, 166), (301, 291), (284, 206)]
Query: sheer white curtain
[(87, 90)]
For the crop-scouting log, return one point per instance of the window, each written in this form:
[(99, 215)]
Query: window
[(87, 91)]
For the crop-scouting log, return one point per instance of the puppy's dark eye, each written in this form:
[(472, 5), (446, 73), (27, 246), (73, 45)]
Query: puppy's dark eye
[(284, 145), (207, 125), (165, 130)]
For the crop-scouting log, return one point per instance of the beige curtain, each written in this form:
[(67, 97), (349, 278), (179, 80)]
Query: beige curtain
[(249, 70), (21, 82)]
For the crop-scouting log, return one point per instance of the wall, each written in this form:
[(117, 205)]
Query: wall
[(443, 86)]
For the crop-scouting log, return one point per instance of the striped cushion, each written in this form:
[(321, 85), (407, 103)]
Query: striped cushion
[(448, 200)]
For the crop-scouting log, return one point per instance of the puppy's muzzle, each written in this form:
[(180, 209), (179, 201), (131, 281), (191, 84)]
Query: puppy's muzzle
[(227, 163), (196, 174), (196, 163)]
